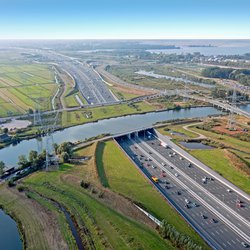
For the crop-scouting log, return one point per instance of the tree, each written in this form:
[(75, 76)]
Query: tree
[(2, 166), (65, 147), (30, 111), (33, 156), (15, 139), (55, 146), (64, 157), (22, 161), (5, 130)]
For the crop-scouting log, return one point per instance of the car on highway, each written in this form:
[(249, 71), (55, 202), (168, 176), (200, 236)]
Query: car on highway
[(176, 175), (213, 220), (244, 244), (203, 216), (239, 205), (155, 179), (187, 201), (163, 174), (153, 166), (229, 190)]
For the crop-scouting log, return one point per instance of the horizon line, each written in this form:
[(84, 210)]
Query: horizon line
[(28, 38)]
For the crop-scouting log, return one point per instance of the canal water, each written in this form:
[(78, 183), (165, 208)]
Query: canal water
[(195, 145), (9, 235), (177, 79), (113, 126)]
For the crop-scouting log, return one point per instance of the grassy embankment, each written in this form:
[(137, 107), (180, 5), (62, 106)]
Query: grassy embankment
[(79, 116), (118, 173)]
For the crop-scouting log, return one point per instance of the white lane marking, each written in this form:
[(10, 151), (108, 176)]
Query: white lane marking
[(196, 184), (229, 223)]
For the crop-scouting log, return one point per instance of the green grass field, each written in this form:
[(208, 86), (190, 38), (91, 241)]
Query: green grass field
[(24, 86), (178, 129), (122, 95), (223, 166), (79, 117), (108, 228), (124, 178), (225, 139)]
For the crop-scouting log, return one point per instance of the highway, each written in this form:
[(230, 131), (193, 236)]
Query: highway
[(212, 209), (90, 85)]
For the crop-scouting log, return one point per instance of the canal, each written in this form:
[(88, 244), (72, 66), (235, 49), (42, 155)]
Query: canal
[(112, 126)]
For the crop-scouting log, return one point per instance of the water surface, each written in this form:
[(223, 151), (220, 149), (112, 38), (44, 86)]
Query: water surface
[(9, 235), (113, 126)]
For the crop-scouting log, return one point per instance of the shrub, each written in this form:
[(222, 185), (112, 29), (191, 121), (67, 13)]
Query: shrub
[(84, 184)]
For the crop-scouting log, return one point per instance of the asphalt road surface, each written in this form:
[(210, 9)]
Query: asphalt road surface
[(207, 205), (89, 83)]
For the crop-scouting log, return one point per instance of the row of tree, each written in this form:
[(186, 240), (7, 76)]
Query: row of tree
[(180, 240), (240, 75), (36, 161)]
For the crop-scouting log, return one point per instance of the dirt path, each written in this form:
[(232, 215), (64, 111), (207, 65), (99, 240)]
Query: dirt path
[(200, 136)]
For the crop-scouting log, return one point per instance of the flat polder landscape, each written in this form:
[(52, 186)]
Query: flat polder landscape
[(124, 125)]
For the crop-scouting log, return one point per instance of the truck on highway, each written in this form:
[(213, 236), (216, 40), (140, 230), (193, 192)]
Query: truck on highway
[(155, 179)]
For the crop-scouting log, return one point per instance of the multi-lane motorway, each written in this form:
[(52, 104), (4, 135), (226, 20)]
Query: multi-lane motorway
[(89, 82), (91, 86), (218, 213)]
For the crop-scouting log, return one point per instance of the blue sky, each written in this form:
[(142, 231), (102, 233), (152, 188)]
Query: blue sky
[(170, 19)]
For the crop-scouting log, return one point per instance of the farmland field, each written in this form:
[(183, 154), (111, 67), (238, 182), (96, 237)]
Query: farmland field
[(24, 86)]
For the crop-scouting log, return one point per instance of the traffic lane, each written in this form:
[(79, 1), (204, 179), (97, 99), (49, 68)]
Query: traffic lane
[(200, 190), (84, 85), (89, 84), (215, 187), (193, 215), (235, 221)]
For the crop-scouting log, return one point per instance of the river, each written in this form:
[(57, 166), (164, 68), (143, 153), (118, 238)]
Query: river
[(9, 235), (113, 126)]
